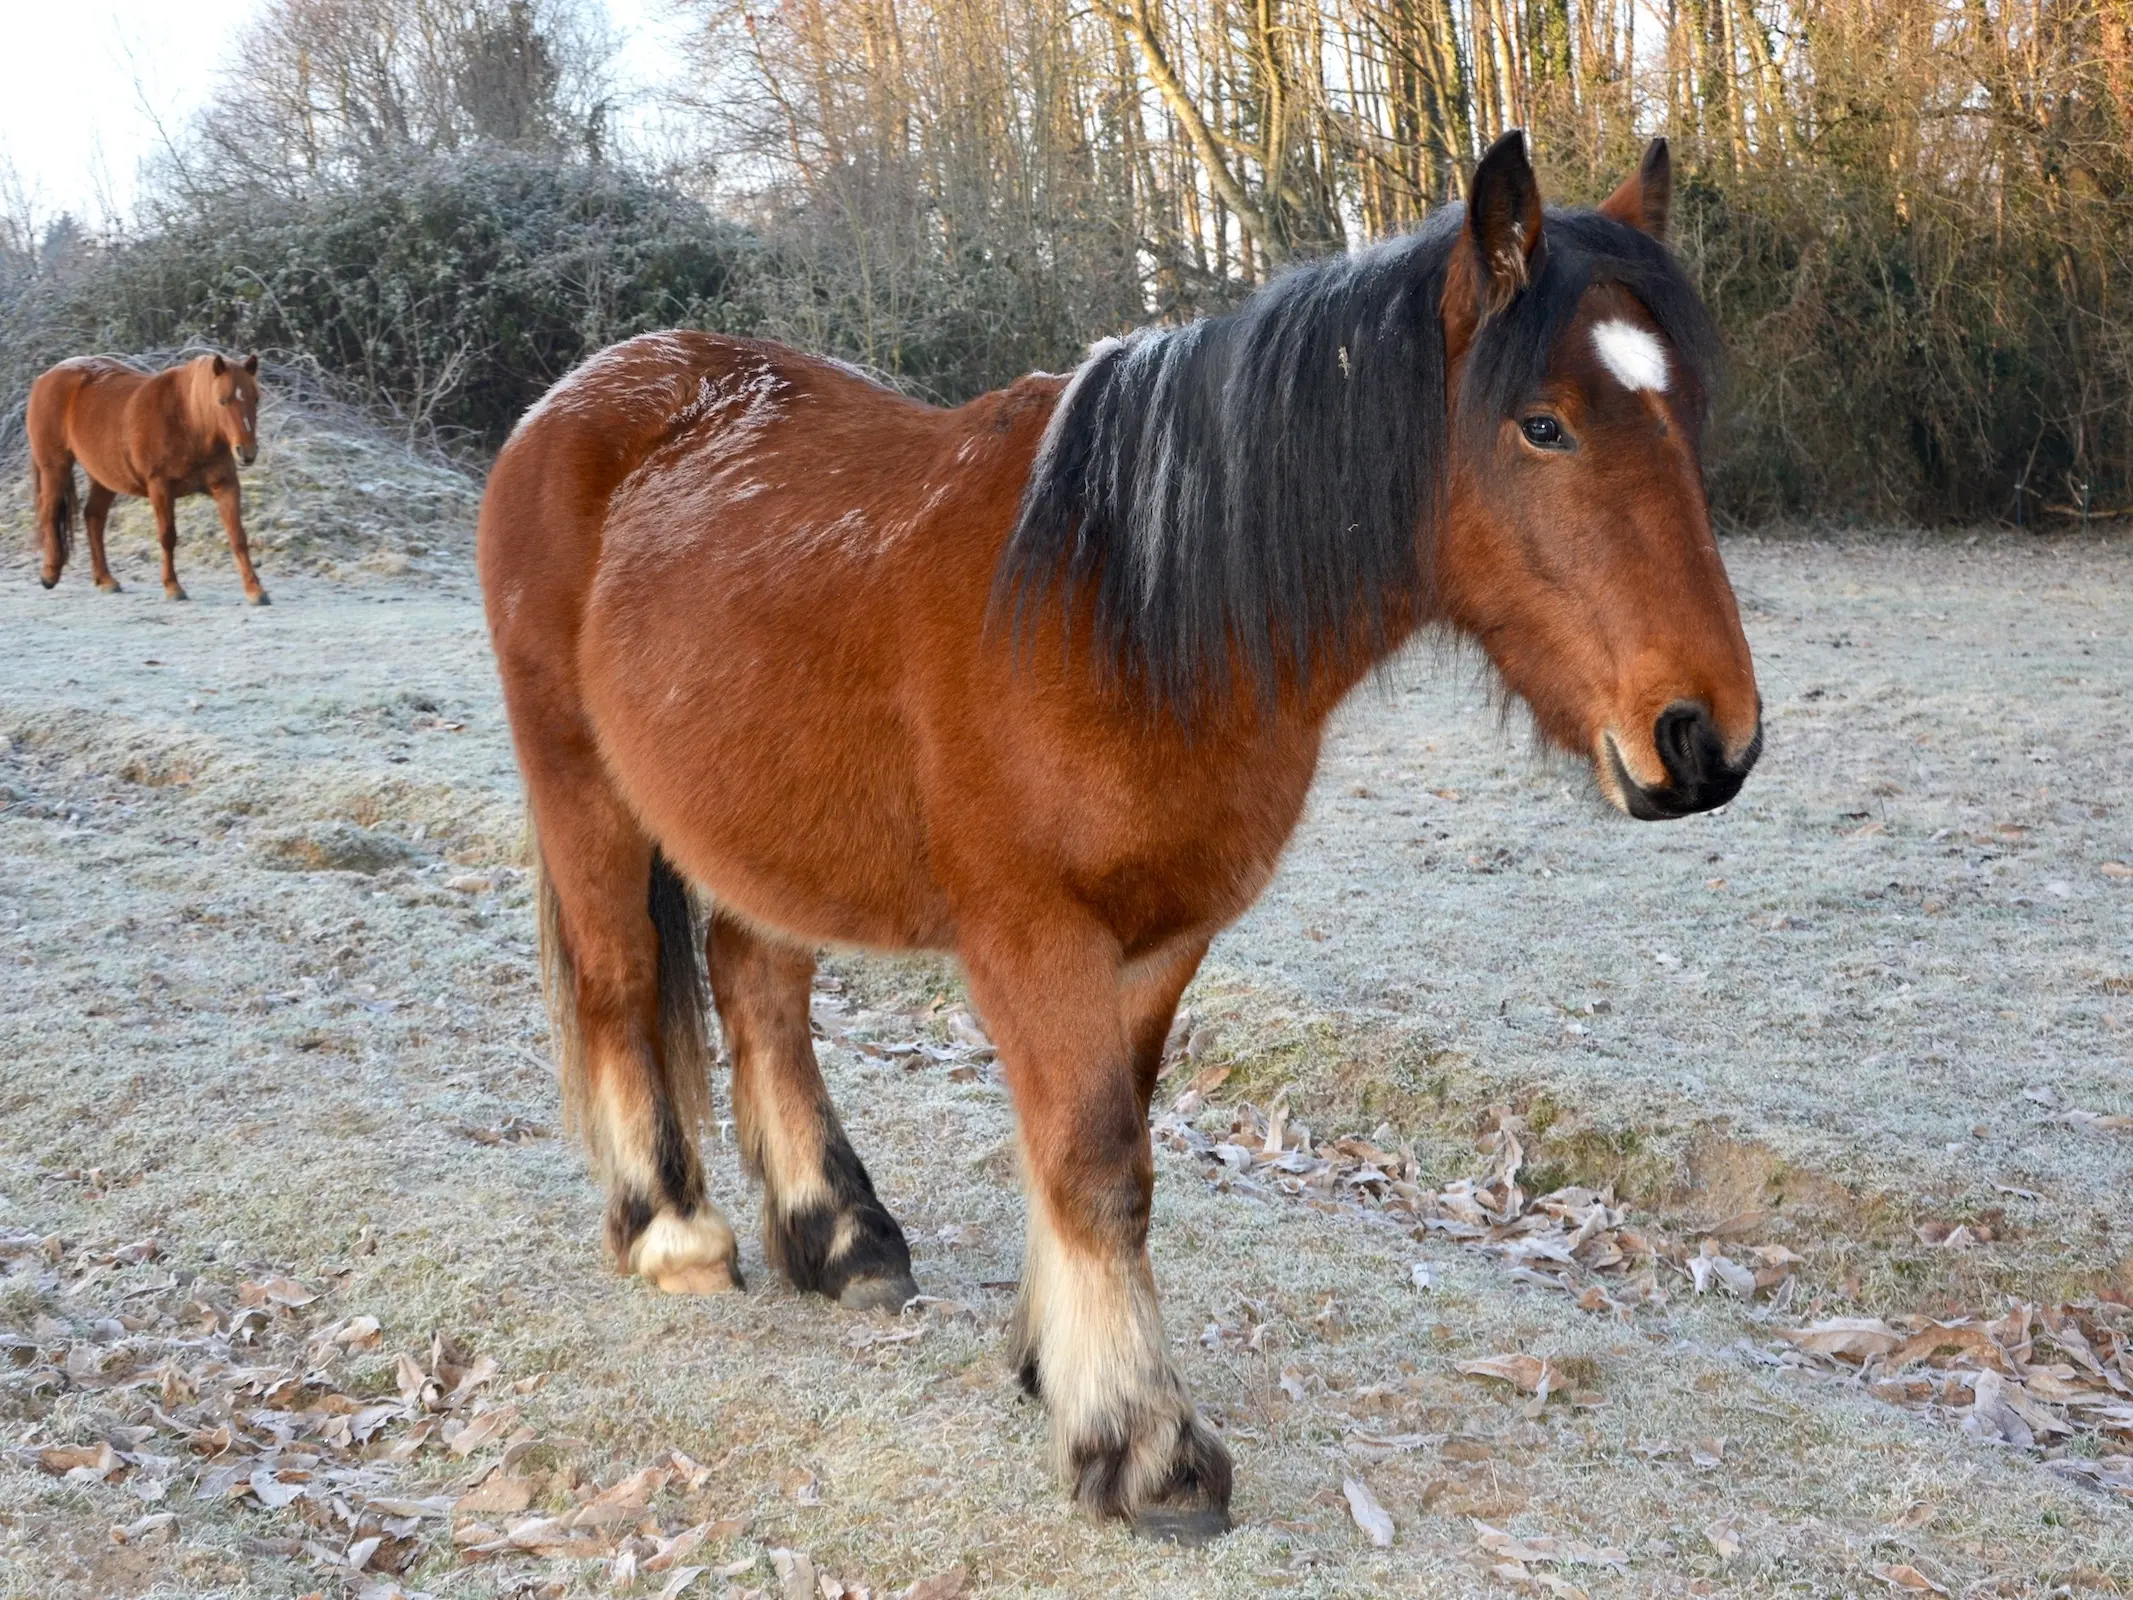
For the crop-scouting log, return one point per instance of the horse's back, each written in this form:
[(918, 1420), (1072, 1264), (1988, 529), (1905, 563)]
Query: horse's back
[(693, 463), (79, 408)]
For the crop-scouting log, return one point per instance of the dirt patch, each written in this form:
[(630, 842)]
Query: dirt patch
[(331, 847)]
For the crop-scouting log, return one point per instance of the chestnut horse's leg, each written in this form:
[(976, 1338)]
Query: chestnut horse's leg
[(823, 1227), (52, 488), (1088, 1335), (95, 511), (166, 510), (227, 501), (618, 941)]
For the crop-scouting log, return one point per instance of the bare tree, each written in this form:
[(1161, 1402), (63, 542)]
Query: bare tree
[(322, 87)]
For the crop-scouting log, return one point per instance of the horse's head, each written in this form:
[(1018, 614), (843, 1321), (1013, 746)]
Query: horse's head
[(1577, 543), (233, 398)]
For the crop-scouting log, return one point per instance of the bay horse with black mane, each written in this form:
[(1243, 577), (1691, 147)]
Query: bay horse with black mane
[(1041, 681), (161, 435)]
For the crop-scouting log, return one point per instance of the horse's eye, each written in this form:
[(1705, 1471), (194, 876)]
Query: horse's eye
[(1544, 431)]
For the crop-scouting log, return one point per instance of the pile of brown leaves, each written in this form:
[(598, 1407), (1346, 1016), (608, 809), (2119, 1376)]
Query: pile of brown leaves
[(1575, 1240), (234, 1394), (244, 1395), (2057, 1381)]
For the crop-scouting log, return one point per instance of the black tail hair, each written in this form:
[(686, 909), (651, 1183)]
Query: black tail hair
[(683, 998)]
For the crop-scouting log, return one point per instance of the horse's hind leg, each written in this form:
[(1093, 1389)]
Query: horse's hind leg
[(823, 1226), (1081, 1037), (52, 490), (95, 512), (626, 994)]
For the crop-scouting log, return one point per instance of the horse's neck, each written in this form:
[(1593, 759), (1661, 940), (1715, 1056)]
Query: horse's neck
[(195, 403)]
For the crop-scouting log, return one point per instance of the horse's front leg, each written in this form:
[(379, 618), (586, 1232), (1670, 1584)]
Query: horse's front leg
[(1088, 1334), (165, 506), (230, 503)]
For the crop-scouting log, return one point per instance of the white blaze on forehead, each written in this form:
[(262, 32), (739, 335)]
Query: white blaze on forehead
[(1637, 360)]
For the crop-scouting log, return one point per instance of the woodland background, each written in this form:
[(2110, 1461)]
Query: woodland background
[(1914, 218)]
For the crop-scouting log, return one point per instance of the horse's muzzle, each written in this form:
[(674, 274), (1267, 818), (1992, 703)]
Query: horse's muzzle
[(247, 455), (1699, 775)]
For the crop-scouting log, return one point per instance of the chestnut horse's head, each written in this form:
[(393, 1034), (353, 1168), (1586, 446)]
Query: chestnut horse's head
[(232, 391), (1576, 543)]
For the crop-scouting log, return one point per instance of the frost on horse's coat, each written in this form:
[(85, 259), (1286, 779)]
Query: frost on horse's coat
[(1041, 681)]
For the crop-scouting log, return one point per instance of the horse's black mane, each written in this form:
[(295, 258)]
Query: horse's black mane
[(1269, 479)]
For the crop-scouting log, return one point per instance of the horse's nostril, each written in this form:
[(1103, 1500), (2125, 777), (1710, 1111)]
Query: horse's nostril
[(1688, 744)]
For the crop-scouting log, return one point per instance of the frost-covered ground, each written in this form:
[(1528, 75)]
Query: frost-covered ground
[(266, 999)]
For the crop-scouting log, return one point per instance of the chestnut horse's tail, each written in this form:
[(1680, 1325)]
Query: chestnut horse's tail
[(686, 1053)]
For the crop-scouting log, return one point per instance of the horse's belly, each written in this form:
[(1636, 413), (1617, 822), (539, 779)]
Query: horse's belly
[(771, 768), (107, 465)]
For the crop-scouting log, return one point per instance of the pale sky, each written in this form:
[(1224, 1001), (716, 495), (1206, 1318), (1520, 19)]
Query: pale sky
[(75, 127)]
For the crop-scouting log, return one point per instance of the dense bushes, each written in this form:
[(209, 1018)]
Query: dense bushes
[(446, 293), (1926, 364)]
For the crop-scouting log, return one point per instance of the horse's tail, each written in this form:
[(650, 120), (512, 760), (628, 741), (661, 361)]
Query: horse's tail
[(683, 1000)]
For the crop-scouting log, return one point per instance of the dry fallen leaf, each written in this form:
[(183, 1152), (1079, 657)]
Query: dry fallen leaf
[(1859, 1338), (941, 1586), (1907, 1577), (481, 1430), (93, 1462), (1531, 1374), (1708, 1265), (1545, 1548), (620, 1503), (796, 1574), (157, 1528), (286, 1292), (496, 1494), (680, 1580), (1725, 1538), (1372, 1518)]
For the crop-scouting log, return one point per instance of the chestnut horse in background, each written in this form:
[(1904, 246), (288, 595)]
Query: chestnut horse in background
[(1042, 681), (162, 436)]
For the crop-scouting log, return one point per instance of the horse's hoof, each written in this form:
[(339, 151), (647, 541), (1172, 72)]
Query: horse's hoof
[(258, 599), (1188, 1528), (110, 586), (703, 1277), (48, 582), (878, 1294), (176, 594), (687, 1255)]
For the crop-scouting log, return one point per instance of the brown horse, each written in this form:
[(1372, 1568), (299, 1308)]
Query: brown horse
[(180, 432), (1042, 681)]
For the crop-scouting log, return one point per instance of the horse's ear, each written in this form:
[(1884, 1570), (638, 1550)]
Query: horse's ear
[(1503, 219), (221, 366), (1646, 198), (251, 362)]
